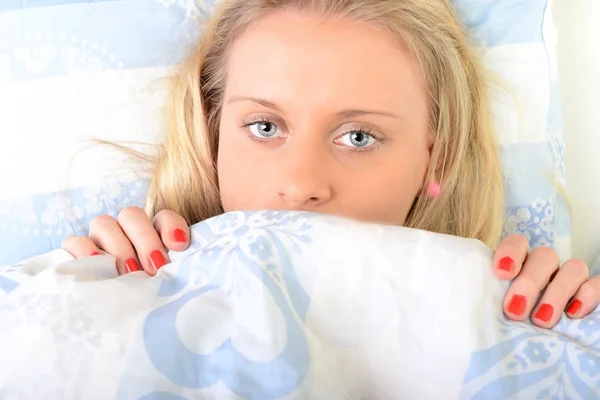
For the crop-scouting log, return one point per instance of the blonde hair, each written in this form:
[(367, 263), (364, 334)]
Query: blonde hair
[(464, 157)]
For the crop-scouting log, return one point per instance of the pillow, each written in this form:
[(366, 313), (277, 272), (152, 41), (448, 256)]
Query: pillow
[(72, 70), (297, 308), (518, 43)]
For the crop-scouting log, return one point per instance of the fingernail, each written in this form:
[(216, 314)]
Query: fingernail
[(545, 313), (179, 236), (132, 265), (95, 254), (506, 264), (517, 305), (156, 259), (574, 308)]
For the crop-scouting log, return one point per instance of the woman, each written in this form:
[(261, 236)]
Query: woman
[(372, 110)]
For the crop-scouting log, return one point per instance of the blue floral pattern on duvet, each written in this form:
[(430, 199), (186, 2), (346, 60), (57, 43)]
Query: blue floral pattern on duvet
[(256, 242), (531, 363)]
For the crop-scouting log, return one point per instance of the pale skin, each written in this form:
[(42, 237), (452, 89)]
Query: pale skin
[(341, 132)]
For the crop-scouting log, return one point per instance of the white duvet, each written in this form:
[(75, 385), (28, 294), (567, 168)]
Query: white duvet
[(271, 305)]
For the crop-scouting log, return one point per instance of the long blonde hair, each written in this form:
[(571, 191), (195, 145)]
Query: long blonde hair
[(464, 158)]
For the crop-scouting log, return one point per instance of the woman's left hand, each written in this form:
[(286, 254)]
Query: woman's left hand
[(566, 289)]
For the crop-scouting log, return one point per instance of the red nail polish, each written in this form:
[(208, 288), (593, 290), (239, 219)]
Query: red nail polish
[(95, 254), (132, 265), (157, 259), (506, 264), (179, 236), (545, 313), (517, 305), (574, 307)]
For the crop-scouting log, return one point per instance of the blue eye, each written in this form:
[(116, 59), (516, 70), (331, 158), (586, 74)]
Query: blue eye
[(263, 129), (358, 139)]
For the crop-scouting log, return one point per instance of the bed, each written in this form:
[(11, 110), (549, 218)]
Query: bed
[(71, 71)]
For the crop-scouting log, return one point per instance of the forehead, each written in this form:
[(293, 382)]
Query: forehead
[(324, 59)]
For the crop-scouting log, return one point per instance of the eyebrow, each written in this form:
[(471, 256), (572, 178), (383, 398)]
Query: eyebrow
[(349, 113)]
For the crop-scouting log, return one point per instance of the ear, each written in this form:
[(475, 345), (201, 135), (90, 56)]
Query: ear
[(432, 190)]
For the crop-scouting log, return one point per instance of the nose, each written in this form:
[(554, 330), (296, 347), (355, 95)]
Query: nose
[(303, 179)]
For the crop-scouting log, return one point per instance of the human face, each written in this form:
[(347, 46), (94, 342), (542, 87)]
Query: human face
[(323, 115)]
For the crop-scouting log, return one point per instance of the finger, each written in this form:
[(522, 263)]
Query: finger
[(510, 256), (80, 247), (585, 300), (522, 295), (567, 282), (173, 230), (108, 236), (141, 233)]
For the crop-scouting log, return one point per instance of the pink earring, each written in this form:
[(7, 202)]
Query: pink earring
[(433, 189)]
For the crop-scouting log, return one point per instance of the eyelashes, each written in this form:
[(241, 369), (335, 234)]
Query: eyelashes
[(263, 130)]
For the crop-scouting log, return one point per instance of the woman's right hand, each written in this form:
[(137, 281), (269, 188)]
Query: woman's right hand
[(136, 242)]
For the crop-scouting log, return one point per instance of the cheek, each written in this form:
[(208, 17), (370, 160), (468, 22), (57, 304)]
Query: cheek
[(390, 197), (393, 187), (228, 171), (237, 170)]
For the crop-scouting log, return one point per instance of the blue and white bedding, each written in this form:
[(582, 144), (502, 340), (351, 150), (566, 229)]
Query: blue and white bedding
[(273, 305)]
